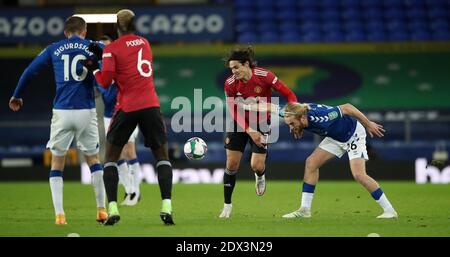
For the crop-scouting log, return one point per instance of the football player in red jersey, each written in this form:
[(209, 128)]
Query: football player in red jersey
[(248, 82), (128, 61)]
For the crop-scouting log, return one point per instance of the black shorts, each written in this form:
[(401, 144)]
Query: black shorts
[(236, 141), (150, 122)]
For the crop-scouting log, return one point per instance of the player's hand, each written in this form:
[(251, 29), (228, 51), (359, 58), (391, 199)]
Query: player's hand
[(91, 64), (96, 50), (297, 133), (375, 129), (256, 136), (15, 103)]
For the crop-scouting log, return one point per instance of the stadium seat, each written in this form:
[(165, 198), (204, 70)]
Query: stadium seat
[(416, 13), (270, 37), (243, 3), (355, 36), (330, 15), (308, 14), (394, 13), (366, 4), (441, 36), (333, 36), (267, 26), (351, 13), (331, 26), (287, 15), (247, 38), (399, 36), (312, 37), (307, 3), (373, 13), (376, 36), (350, 3), (291, 37), (420, 35)]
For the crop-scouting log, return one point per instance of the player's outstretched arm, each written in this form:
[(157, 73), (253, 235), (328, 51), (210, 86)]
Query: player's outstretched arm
[(15, 103), (372, 127)]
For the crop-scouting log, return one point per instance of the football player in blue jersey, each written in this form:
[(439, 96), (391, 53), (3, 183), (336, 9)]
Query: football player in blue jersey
[(74, 113), (128, 165), (344, 128)]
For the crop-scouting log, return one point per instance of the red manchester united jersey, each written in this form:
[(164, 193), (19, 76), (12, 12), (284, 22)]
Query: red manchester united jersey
[(129, 58), (260, 85)]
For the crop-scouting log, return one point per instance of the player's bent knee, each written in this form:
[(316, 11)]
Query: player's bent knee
[(311, 165), (258, 168)]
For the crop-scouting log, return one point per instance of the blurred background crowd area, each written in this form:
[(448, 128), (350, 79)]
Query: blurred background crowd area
[(390, 58)]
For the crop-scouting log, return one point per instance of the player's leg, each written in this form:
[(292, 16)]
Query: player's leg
[(88, 142), (310, 179), (122, 168), (357, 154), (56, 186), (124, 177), (235, 145), (99, 186), (258, 165), (134, 167), (121, 127), (61, 137), (151, 123)]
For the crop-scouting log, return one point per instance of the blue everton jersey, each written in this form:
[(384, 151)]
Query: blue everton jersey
[(74, 84), (328, 121), (109, 97)]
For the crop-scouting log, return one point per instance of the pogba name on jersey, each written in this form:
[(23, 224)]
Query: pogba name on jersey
[(135, 42)]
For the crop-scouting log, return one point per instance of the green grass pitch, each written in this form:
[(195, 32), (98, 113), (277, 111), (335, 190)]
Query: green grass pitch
[(339, 209)]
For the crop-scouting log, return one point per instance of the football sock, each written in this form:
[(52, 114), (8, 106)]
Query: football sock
[(135, 171), (123, 176), (229, 181), (97, 183), (307, 195), (56, 186), (111, 180), (382, 200), (164, 169), (166, 206)]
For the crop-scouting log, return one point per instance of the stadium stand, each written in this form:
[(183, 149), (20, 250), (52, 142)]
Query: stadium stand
[(342, 21)]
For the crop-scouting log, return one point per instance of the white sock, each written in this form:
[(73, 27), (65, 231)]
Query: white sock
[(123, 177), (135, 172), (385, 204), (307, 200), (99, 188), (56, 186)]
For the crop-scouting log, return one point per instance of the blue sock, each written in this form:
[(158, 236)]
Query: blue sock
[(96, 167), (308, 188), (55, 173), (120, 162), (131, 162), (377, 194)]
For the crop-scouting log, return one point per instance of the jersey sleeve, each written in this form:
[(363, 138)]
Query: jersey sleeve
[(230, 95), (41, 61), (280, 87), (108, 59), (324, 115), (105, 77)]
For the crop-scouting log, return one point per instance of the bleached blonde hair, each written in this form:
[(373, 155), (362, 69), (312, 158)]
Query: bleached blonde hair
[(296, 109)]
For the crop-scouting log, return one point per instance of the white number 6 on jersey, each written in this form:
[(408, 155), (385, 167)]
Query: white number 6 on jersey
[(142, 62)]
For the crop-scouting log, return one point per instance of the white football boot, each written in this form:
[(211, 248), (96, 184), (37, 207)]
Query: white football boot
[(260, 184), (226, 211), (300, 213), (134, 198), (126, 200), (388, 215)]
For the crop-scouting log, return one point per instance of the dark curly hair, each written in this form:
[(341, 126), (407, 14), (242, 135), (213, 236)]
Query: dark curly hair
[(242, 54)]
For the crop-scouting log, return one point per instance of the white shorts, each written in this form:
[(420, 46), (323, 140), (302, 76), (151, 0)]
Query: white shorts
[(355, 146), (133, 136), (67, 124)]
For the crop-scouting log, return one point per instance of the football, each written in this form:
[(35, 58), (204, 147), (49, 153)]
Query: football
[(195, 148)]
